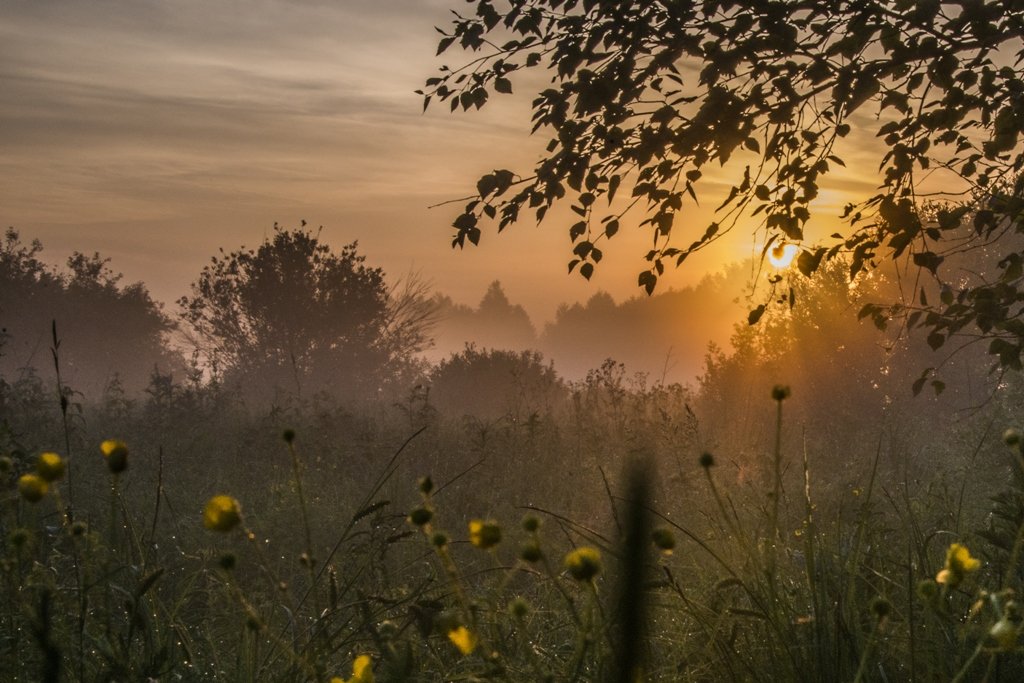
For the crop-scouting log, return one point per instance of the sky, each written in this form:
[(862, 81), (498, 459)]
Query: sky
[(157, 133)]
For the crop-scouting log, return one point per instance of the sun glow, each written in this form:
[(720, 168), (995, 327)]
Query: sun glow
[(782, 255)]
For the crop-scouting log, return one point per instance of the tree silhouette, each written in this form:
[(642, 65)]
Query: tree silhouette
[(292, 315), (109, 332), (645, 96)]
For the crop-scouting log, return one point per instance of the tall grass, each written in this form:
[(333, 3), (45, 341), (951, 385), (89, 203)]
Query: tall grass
[(678, 572)]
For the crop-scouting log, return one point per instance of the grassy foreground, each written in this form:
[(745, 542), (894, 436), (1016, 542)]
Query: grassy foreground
[(104, 580)]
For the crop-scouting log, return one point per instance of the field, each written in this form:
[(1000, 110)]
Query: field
[(606, 529)]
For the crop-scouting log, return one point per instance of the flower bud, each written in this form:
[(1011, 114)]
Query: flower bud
[(50, 466), (32, 487), (116, 453), (584, 563), (484, 534), (421, 516), (664, 539)]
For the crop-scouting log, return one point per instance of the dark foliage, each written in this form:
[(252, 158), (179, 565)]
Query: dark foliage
[(110, 334), (647, 96)]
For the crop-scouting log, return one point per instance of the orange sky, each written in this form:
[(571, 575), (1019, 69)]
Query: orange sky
[(156, 133)]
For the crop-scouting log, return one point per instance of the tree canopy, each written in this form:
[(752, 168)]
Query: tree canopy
[(294, 315), (644, 97)]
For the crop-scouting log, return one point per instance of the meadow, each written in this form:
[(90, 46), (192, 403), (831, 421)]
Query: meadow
[(608, 529)]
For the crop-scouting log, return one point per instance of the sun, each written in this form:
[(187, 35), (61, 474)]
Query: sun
[(782, 255)]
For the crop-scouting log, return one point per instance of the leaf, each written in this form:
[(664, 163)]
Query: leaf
[(807, 263), (503, 85), (864, 88), (465, 221), (586, 270), (755, 315), (444, 44), (486, 185), (613, 186), (1009, 354), (648, 280), (929, 260)]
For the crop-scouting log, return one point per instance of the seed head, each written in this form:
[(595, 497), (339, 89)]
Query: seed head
[(531, 524), (519, 608), (881, 607), (780, 392), (664, 539), (927, 589), (19, 537), (530, 552), (1004, 633), (707, 461), (421, 516)]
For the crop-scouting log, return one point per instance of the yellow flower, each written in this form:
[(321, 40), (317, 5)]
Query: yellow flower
[(584, 563), (222, 513), (959, 564), (463, 639), (50, 466), (116, 453), (484, 534), (32, 487), (362, 671)]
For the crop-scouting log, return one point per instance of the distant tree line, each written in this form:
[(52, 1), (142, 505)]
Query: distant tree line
[(290, 317)]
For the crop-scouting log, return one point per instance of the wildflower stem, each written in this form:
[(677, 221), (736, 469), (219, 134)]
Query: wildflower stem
[(1011, 566), (776, 484), (866, 655), (69, 510), (561, 589), (297, 473), (962, 674)]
